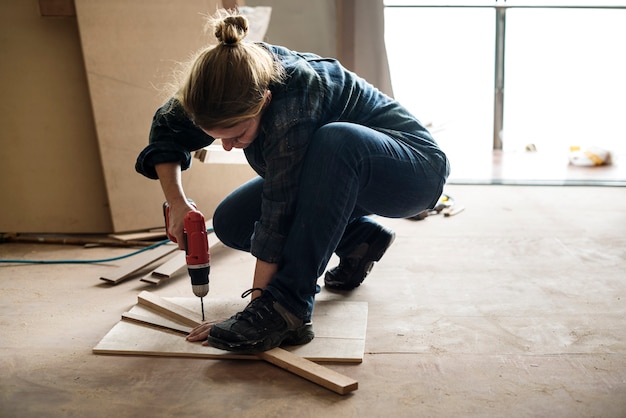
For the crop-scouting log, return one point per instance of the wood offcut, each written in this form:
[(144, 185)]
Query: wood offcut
[(307, 369)]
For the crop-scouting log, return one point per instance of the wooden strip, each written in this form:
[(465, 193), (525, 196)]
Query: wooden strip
[(169, 309), (313, 372), (340, 329), (141, 236), (157, 323), (138, 262), (166, 270), (169, 268)]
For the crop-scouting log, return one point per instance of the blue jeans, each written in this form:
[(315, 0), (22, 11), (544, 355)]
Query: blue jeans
[(350, 171)]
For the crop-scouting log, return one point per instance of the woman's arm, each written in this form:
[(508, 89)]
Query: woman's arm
[(170, 179)]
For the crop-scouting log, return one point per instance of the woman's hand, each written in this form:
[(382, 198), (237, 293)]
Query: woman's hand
[(201, 332), (176, 221)]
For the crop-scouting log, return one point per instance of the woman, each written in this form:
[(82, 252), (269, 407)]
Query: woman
[(329, 148)]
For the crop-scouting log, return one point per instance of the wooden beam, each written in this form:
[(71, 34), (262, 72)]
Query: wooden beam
[(166, 270), (157, 323), (281, 358), (313, 372), (138, 262), (141, 236), (169, 309)]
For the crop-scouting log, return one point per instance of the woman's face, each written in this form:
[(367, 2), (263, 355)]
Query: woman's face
[(243, 134), (239, 136)]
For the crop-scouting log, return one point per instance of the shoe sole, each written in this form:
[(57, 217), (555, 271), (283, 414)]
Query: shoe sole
[(365, 268)]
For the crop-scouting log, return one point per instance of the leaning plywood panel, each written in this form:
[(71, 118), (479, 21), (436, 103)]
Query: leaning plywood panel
[(131, 49), (50, 175)]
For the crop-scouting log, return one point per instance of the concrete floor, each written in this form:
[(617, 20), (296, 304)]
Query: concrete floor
[(514, 308)]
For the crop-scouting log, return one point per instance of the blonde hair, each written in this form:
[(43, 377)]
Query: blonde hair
[(228, 81)]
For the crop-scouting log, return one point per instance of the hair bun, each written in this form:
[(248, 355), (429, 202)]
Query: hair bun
[(231, 30)]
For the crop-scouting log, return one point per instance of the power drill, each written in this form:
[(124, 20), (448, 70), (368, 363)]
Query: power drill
[(197, 253)]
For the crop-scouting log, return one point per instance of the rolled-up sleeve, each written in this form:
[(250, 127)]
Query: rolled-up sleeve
[(284, 158), (173, 137)]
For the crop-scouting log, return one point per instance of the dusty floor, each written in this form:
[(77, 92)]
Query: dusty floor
[(514, 308)]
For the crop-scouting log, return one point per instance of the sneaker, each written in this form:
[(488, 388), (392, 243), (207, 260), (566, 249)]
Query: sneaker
[(264, 324), (354, 267)]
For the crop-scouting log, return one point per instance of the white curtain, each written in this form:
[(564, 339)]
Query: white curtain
[(361, 41)]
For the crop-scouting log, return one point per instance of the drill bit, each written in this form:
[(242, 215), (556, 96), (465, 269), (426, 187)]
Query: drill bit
[(202, 305)]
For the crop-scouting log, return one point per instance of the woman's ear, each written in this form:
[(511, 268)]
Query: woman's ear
[(268, 98)]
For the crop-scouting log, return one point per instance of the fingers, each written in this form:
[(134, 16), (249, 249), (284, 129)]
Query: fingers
[(199, 333)]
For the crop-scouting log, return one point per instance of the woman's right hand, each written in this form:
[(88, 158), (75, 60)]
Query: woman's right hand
[(176, 221)]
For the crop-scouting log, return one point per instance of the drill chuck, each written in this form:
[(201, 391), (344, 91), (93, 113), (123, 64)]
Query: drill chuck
[(199, 279)]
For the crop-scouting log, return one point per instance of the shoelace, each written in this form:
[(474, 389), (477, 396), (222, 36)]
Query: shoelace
[(252, 312), (249, 292)]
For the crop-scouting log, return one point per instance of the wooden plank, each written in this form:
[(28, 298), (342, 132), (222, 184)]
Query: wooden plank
[(127, 72), (178, 262), (160, 323), (169, 309), (138, 262), (313, 372), (166, 270), (141, 236), (340, 329)]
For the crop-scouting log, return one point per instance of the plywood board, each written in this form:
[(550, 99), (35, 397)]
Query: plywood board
[(339, 333), (131, 49)]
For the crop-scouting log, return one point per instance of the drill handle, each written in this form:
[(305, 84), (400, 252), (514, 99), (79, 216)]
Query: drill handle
[(166, 216)]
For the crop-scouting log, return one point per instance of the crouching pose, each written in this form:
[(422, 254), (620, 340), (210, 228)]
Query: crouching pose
[(329, 149)]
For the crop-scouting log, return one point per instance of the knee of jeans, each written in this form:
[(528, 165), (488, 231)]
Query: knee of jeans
[(224, 231)]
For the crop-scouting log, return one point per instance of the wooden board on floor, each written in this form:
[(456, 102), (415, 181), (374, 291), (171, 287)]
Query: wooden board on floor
[(141, 236), (278, 356), (339, 327), (138, 262), (165, 271)]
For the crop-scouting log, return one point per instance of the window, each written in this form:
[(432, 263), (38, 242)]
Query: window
[(564, 64)]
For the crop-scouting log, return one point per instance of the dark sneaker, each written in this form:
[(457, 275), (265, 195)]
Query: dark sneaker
[(264, 324), (354, 267)]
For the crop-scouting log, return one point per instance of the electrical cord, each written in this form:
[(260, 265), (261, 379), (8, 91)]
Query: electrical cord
[(101, 260)]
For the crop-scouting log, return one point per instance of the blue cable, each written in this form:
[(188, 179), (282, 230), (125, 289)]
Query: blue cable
[(102, 260)]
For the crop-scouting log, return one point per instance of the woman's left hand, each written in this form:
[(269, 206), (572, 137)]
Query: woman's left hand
[(201, 332)]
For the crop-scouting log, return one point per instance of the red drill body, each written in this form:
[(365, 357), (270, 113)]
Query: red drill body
[(197, 253)]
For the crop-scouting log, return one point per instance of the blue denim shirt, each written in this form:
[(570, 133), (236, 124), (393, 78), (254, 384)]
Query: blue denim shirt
[(316, 91)]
